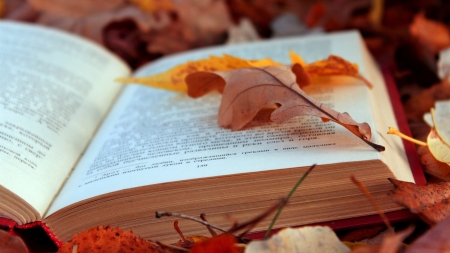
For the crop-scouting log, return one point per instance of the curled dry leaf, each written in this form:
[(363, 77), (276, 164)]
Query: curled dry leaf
[(108, 240), (304, 239), (335, 65), (430, 201), (11, 244), (249, 90)]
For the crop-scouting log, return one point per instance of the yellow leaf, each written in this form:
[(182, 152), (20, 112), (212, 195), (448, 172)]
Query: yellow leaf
[(173, 79), (263, 63), (441, 120), (295, 58), (438, 147)]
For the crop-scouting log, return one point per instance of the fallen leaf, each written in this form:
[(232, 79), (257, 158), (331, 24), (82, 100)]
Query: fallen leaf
[(304, 239), (249, 90), (173, 79), (263, 63), (435, 240), (431, 202), (335, 65), (11, 244), (439, 149), (219, 244), (442, 120), (295, 58), (432, 166), (108, 240), (432, 34)]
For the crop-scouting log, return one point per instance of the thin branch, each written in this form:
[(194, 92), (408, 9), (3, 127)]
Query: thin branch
[(159, 214)]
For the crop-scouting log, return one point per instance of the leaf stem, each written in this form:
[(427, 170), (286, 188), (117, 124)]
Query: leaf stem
[(395, 131), (161, 214), (372, 200), (287, 198)]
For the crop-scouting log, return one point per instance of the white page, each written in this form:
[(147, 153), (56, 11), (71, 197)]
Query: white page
[(54, 90), (154, 136)]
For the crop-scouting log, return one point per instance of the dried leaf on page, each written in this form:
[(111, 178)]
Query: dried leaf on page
[(334, 65), (249, 90), (173, 79)]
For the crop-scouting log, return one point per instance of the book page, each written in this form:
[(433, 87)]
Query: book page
[(155, 136), (54, 90)]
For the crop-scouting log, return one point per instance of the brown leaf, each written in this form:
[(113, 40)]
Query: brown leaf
[(431, 165), (430, 201), (435, 240), (11, 244), (249, 90), (433, 35)]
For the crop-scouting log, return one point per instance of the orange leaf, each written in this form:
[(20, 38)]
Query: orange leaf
[(223, 243), (108, 240), (249, 90), (430, 201), (335, 65)]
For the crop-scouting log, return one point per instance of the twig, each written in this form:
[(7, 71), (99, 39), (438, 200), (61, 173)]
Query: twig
[(161, 214), (211, 231), (373, 202)]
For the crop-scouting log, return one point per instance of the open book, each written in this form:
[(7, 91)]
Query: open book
[(78, 150)]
